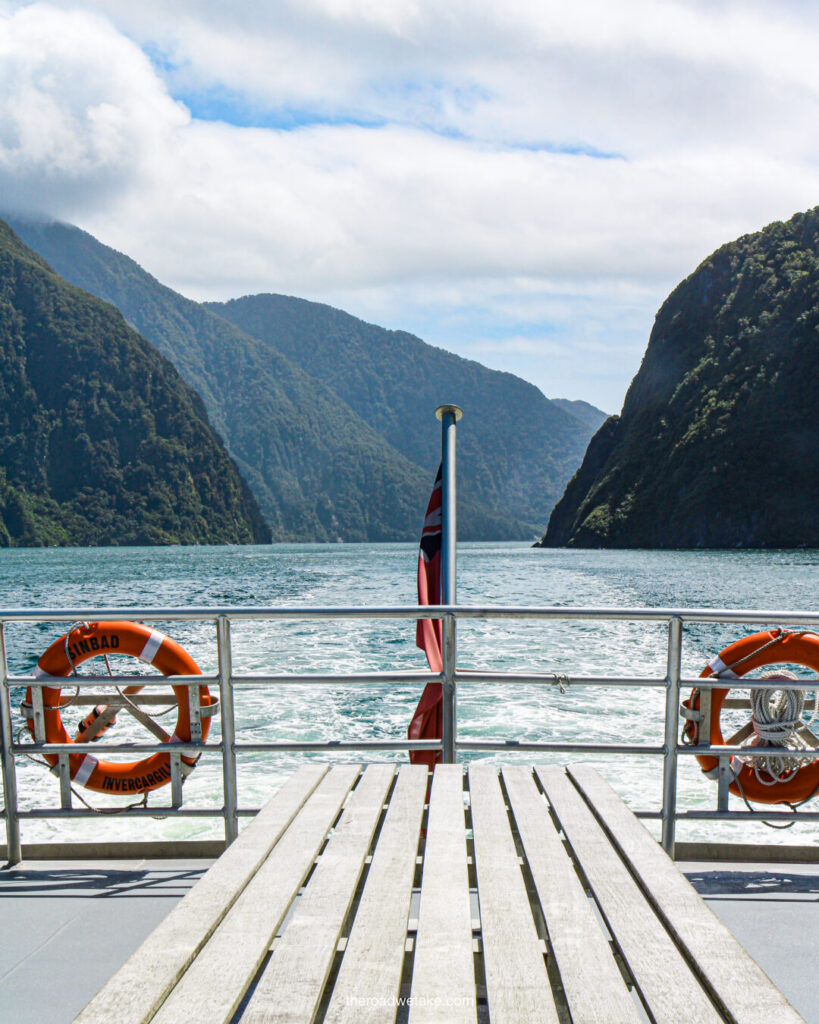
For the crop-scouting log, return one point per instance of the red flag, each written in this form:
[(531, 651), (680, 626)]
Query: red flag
[(426, 722)]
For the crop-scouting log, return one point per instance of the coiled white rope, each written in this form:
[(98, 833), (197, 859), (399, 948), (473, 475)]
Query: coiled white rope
[(776, 715)]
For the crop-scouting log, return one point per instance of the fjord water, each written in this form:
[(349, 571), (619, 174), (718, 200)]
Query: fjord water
[(384, 574)]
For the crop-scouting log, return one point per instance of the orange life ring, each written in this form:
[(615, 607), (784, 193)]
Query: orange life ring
[(149, 645), (770, 647)]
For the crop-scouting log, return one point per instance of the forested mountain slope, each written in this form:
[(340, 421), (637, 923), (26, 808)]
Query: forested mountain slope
[(101, 441), (718, 441), (329, 418), (312, 464), (516, 449)]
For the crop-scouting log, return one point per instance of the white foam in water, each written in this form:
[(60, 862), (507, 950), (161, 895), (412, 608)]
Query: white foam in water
[(315, 575)]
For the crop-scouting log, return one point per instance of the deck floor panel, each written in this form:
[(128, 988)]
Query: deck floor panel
[(368, 984), (770, 908), (68, 926), (292, 982), (214, 985), (139, 987), (591, 979), (517, 984)]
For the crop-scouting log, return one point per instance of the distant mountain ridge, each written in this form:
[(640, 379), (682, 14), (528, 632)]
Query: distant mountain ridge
[(583, 411), (718, 441), (101, 441), (516, 450), (329, 418)]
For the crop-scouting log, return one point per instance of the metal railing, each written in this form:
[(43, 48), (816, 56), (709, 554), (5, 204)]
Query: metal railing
[(451, 743)]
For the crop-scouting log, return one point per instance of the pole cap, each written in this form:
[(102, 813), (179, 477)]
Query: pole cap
[(442, 410)]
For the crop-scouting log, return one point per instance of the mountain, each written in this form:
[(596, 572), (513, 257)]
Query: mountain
[(319, 471), (718, 441), (583, 411), (311, 463), (516, 449), (101, 441), (330, 418)]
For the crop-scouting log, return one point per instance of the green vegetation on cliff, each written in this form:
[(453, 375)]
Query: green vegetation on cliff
[(330, 418), (718, 441), (516, 450), (319, 472), (101, 441)]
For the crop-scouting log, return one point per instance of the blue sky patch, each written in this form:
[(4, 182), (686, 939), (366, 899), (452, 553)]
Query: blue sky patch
[(225, 105)]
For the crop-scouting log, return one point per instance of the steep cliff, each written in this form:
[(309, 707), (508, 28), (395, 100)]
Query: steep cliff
[(718, 441), (101, 441)]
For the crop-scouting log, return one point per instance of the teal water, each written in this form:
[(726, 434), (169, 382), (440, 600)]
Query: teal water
[(501, 574)]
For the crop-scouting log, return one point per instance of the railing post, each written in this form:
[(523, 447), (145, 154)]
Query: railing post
[(672, 727), (449, 416), (228, 729), (13, 848)]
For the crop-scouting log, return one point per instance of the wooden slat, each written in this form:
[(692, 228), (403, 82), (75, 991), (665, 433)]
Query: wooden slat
[(291, 984), (739, 984), (443, 977), (665, 980), (369, 980), (517, 985), (215, 983), (592, 982), (138, 988)]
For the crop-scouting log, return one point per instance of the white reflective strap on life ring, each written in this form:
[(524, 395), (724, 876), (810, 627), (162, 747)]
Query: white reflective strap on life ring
[(152, 645), (86, 770), (719, 668)]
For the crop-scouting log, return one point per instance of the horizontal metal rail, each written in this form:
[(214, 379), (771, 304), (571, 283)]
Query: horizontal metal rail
[(329, 745), (113, 748), (748, 815), (409, 678), (64, 682), (731, 751), (558, 748), (226, 682), (460, 611), (159, 811)]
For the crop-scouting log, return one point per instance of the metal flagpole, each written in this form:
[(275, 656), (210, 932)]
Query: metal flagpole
[(449, 416)]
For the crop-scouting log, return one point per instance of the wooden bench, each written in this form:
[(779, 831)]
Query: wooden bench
[(542, 898)]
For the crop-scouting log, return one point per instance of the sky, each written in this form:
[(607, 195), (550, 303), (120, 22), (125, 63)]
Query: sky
[(522, 182)]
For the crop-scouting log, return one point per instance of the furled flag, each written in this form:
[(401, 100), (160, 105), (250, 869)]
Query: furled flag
[(426, 722)]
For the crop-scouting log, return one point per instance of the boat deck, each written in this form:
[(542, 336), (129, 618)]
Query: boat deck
[(354, 896), (68, 925)]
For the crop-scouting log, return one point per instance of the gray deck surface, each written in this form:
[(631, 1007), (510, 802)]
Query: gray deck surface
[(67, 926), (773, 910)]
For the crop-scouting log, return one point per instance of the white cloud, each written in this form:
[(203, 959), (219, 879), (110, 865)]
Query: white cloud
[(473, 205), (345, 207), (82, 114), (635, 74)]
